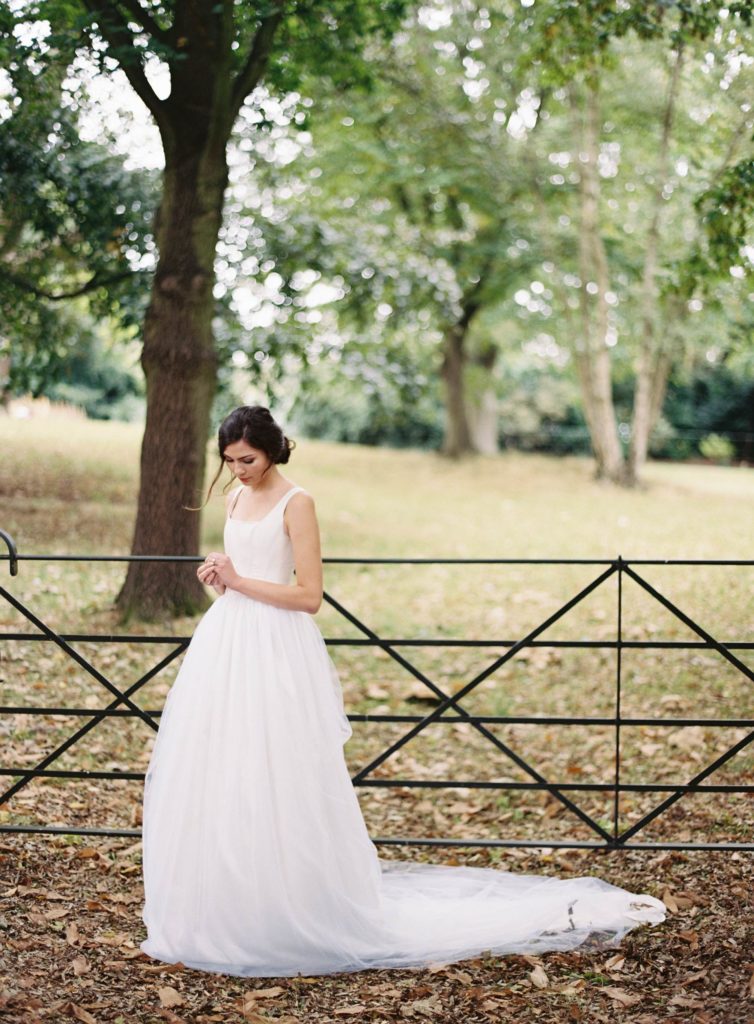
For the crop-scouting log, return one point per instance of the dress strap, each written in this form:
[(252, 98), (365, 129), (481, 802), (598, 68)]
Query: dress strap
[(288, 495), (235, 501)]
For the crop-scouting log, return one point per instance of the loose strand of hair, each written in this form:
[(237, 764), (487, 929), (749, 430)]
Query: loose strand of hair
[(189, 508)]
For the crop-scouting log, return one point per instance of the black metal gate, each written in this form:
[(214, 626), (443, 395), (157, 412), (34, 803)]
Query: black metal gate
[(449, 707)]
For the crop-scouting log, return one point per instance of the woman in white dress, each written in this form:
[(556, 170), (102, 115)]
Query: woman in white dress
[(257, 860)]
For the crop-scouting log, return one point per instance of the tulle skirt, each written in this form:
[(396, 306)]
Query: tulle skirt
[(256, 857)]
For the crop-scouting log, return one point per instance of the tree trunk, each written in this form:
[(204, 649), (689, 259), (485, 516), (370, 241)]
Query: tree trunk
[(180, 366), (651, 366), (5, 394), (484, 423), (592, 351), (457, 439), (208, 84), (483, 403)]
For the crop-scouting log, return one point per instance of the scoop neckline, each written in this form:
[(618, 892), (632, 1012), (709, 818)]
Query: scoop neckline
[(253, 522)]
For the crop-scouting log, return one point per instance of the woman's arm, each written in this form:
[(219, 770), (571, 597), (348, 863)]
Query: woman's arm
[(305, 594), (207, 574)]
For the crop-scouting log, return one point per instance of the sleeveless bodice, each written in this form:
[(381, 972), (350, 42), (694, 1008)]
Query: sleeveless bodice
[(261, 548)]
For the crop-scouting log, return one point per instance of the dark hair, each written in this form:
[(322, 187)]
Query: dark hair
[(255, 425)]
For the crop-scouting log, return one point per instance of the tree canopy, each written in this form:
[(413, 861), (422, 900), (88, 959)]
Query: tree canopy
[(417, 208)]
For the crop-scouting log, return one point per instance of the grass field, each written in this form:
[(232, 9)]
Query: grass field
[(72, 485), (69, 487)]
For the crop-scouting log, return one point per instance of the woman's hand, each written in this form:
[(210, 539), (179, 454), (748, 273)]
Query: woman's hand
[(218, 570), (207, 575)]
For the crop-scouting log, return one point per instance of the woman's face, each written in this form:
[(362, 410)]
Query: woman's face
[(246, 463)]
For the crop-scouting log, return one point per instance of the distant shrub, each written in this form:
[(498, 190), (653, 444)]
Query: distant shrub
[(718, 448)]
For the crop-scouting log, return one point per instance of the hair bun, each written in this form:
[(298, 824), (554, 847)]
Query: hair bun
[(286, 450)]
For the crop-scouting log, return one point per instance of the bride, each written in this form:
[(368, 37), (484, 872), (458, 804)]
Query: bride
[(256, 857)]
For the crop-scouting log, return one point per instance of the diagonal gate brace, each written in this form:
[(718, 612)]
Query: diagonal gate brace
[(121, 697), (452, 701), (732, 751)]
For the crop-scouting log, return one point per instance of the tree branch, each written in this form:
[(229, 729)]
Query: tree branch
[(739, 133), (251, 73), (117, 35), (147, 22), (471, 301), (89, 286)]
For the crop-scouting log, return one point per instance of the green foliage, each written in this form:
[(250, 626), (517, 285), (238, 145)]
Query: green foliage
[(102, 377), (279, 42), (540, 412), (77, 207), (411, 202), (327, 39), (711, 400), (718, 448), (570, 39), (377, 397), (727, 213), (85, 217), (73, 222), (413, 197)]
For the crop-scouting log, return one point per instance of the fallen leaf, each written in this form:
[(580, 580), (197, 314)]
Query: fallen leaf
[(353, 1008), (621, 996), (669, 901), (112, 939), (691, 1004), (264, 993), (80, 965), (254, 1017), (427, 1007), (80, 1013), (170, 996), (573, 987), (691, 937), (535, 961), (71, 933), (539, 977), (463, 976), (615, 963), (688, 739), (54, 915)]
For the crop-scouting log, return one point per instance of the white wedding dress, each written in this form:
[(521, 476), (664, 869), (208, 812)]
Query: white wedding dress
[(257, 860)]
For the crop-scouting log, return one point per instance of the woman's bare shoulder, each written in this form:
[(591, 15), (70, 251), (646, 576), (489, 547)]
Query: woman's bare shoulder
[(301, 499), (300, 506)]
